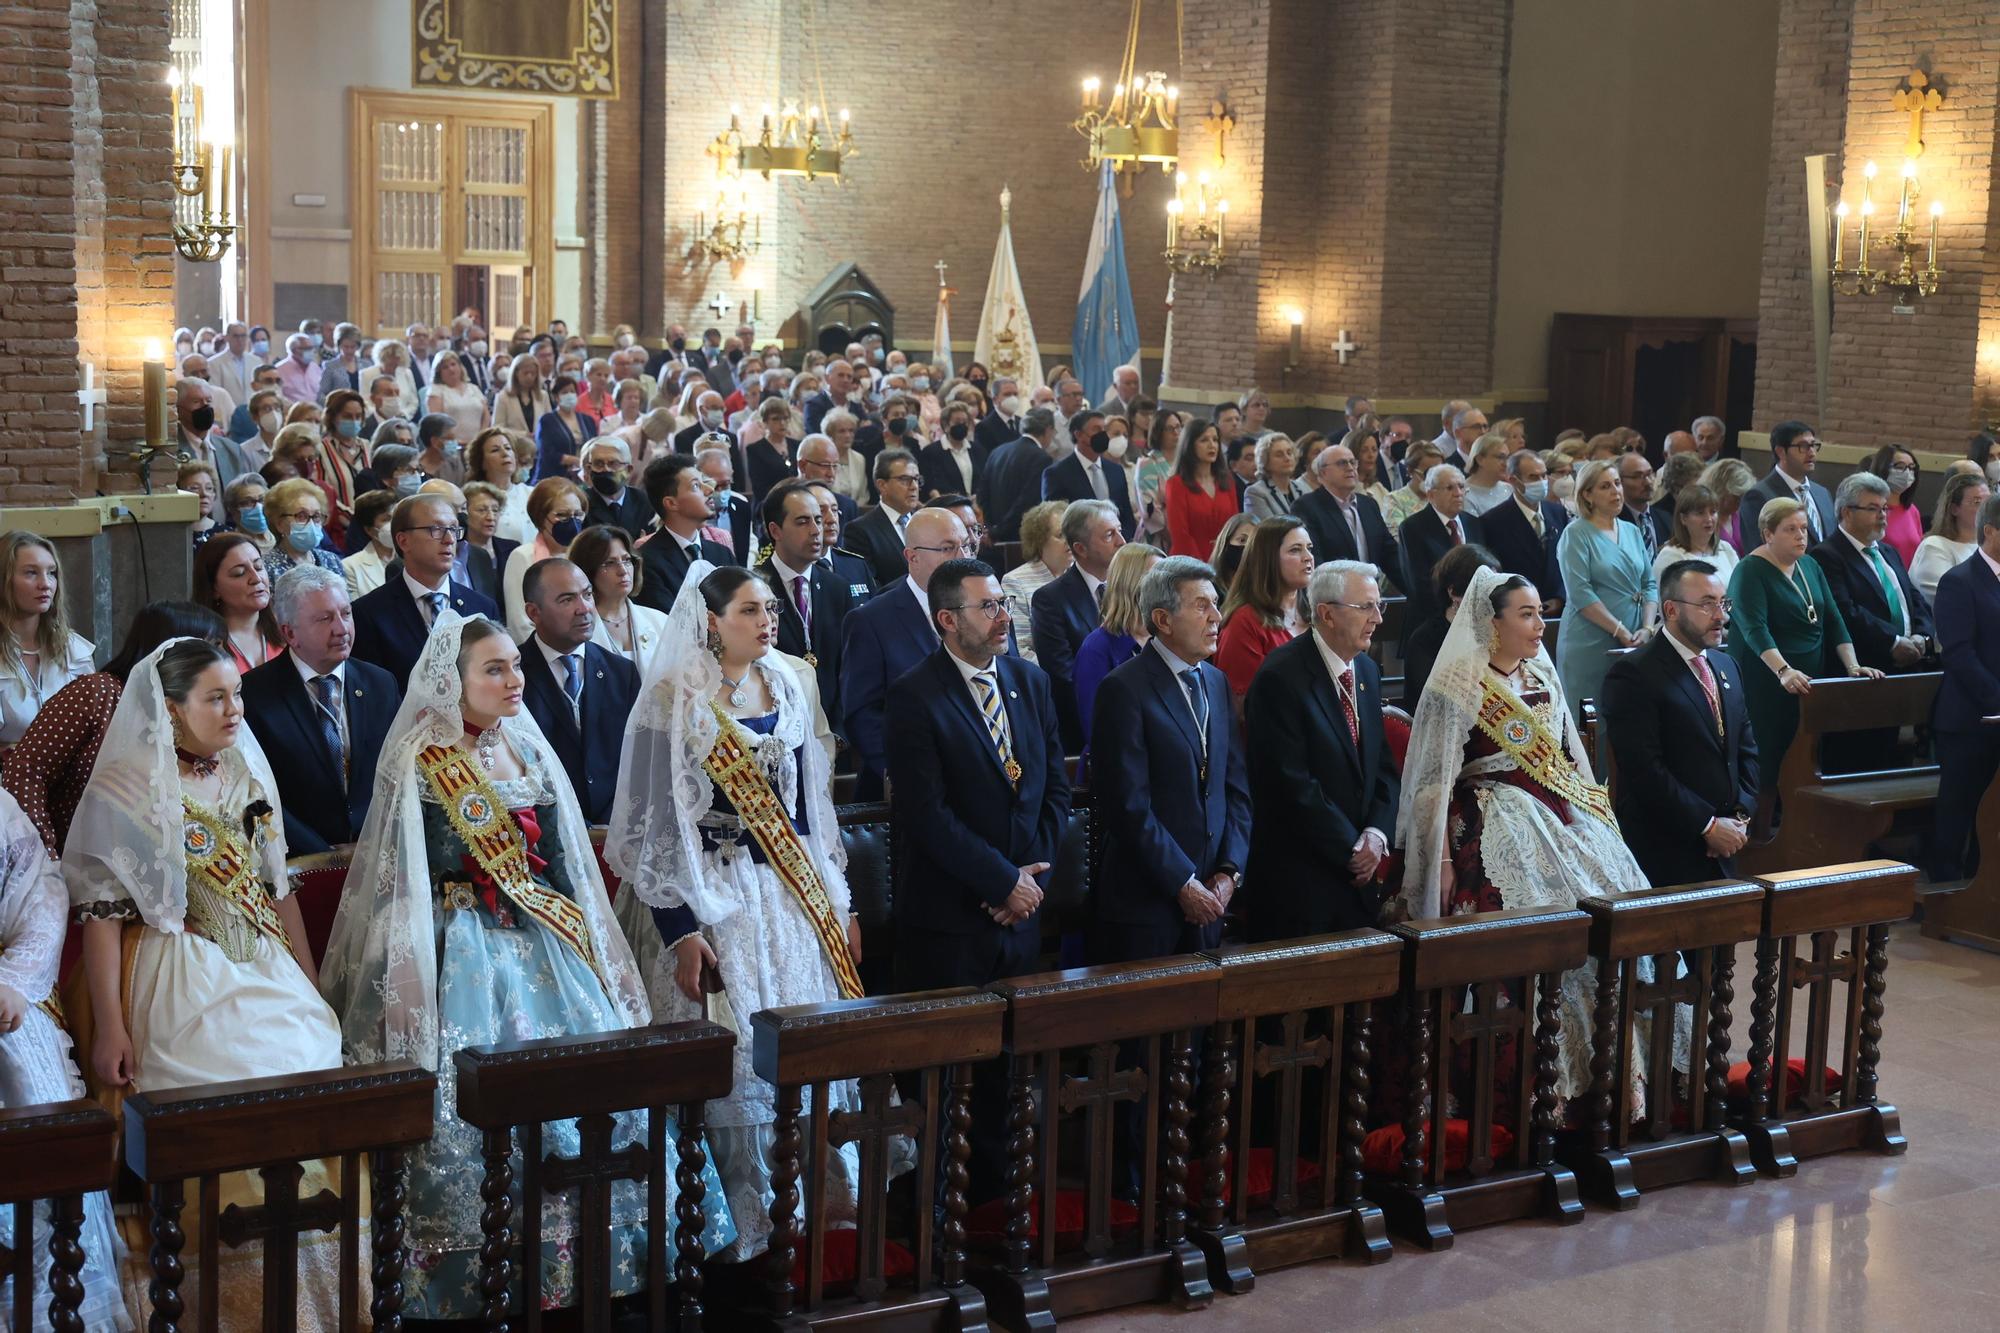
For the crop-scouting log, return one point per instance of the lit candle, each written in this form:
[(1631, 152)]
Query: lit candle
[(200, 116), (153, 385), (1090, 87), (1937, 211), (211, 161), (1839, 231), (1298, 322), (174, 109), (1221, 216), (1173, 221), (1861, 251), (228, 191), (1909, 185), (767, 117)]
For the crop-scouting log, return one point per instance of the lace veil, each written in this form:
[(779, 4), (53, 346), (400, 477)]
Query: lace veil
[(127, 841), (663, 791), (380, 973), (1447, 715)]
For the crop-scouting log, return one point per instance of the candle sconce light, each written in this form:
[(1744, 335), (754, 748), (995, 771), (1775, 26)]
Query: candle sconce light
[(1197, 244), (1904, 278), (203, 171)]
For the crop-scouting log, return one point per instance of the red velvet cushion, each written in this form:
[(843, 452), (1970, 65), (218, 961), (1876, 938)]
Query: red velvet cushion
[(1795, 1081), (837, 1259), (318, 895), (1396, 735), (987, 1224), (1262, 1163), (1382, 1150)]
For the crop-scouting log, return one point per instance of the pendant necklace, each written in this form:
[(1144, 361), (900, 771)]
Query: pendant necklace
[(738, 696), (486, 743)]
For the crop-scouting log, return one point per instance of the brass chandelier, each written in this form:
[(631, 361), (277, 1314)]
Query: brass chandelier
[(813, 144), (1139, 124)]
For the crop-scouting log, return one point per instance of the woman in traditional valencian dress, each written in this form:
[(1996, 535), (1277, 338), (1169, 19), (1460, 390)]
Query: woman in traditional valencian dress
[(1499, 806), (724, 833), (194, 953), (475, 914), (35, 1066)]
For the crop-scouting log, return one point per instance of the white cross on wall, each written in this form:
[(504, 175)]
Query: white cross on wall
[(719, 304), (1343, 345), (91, 396)]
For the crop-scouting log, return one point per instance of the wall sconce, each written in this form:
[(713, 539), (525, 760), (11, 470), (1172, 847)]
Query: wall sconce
[(202, 171), (724, 239), (1196, 246), (1295, 319), (1903, 279)]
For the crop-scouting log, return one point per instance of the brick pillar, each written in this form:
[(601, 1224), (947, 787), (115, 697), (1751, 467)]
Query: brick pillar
[(1331, 104)]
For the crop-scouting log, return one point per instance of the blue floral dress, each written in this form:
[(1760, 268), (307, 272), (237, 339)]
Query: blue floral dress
[(503, 976)]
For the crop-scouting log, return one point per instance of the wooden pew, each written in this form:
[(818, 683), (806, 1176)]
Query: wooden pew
[(1832, 818), (1702, 923), (1526, 950), (1859, 901), (520, 1086), (1320, 992), (316, 881), (1971, 915), (272, 1126), (59, 1151), (1159, 1005), (932, 1039)]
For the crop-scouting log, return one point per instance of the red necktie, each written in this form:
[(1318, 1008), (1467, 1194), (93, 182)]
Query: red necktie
[(1347, 706), (1451, 526), (1707, 678)]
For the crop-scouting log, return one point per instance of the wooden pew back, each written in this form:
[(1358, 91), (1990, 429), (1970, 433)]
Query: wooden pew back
[(271, 1126), (56, 1152), (515, 1087)]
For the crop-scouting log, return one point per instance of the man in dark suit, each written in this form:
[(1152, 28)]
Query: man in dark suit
[(1003, 422), (323, 713), (735, 514), (1655, 524), (1088, 475), (1796, 449), (1012, 482), (1887, 616), (1679, 728), (1174, 805), (392, 623), (1966, 717), (579, 694), (976, 774), (819, 462), (678, 494), (1322, 781), (879, 535), (885, 639), (812, 603), (1344, 524), (837, 392), (607, 466), (843, 564), (1427, 534), (1068, 609), (1523, 532)]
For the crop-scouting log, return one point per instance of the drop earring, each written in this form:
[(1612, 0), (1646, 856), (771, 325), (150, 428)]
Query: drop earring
[(715, 645)]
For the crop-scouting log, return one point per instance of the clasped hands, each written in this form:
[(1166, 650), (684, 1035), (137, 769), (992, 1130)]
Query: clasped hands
[(1202, 903), (1725, 837), (1024, 900)]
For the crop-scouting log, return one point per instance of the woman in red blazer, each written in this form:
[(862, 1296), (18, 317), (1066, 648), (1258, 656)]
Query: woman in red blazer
[(1201, 495)]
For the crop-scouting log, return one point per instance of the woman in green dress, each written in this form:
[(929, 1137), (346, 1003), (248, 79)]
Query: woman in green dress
[(1785, 631)]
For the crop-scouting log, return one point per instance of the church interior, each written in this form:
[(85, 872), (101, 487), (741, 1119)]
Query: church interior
[(348, 353)]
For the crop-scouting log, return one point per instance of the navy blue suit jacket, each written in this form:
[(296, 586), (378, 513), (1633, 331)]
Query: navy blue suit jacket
[(554, 441), (993, 431), (874, 538), (880, 643), (323, 807), (1332, 540), (1512, 540), (853, 571), (1163, 817), (1968, 624), (830, 601), (1424, 543), (390, 632), (1067, 480), (1857, 591), (1063, 614), (967, 830), (665, 563), (1010, 486), (588, 749)]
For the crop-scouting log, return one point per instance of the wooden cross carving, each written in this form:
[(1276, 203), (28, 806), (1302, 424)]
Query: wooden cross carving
[(1816, 976), (1915, 100), (277, 1222), (1657, 1000), (1488, 1021), (591, 1173), (872, 1127), (1095, 1094), (1289, 1058)]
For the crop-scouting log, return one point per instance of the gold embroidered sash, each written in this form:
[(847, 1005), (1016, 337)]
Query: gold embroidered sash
[(1512, 726), (498, 845), (226, 903), (732, 766)]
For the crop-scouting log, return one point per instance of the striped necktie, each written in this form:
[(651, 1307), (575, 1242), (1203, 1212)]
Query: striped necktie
[(996, 726)]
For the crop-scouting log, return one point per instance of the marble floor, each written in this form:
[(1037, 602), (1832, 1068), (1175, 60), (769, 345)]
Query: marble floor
[(1855, 1240)]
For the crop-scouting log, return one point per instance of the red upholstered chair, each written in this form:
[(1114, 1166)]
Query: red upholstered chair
[(1396, 733), (316, 882), (597, 835)]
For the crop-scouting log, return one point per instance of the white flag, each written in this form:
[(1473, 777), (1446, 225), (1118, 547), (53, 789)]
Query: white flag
[(1006, 343), (941, 361)]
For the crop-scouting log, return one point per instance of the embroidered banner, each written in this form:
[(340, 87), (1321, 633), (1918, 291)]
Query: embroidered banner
[(227, 904), (564, 48), (733, 768), (1520, 734)]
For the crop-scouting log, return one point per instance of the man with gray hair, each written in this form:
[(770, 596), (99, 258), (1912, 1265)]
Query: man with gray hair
[(325, 714), (1003, 422), (1013, 478), (1446, 442), (1709, 433), (1430, 532), (1887, 616), (1175, 813), (1068, 609), (1124, 392), (1322, 781), (607, 467)]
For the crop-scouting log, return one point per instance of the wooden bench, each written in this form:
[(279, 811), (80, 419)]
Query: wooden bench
[(1859, 901), (517, 1087), (1971, 915), (1292, 1007), (57, 1152), (316, 882), (931, 1039), (273, 1126), (1526, 950), (1830, 818), (1157, 1005), (1701, 924)]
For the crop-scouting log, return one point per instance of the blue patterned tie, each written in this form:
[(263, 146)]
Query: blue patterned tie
[(1198, 697), (326, 689), (572, 680), (437, 601)]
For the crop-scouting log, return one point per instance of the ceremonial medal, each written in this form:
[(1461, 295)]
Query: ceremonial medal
[(812, 661), (1013, 770)]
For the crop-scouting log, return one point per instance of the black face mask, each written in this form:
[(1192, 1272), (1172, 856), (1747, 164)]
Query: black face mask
[(607, 484), (202, 419), (735, 355), (680, 344), (897, 426), (977, 383), (958, 430)]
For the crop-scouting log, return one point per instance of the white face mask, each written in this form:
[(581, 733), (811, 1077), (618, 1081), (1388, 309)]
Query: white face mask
[(270, 422), (1993, 472), (1115, 447), (1010, 406), (1563, 488)]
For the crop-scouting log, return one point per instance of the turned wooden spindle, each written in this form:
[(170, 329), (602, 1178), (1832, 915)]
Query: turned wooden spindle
[(787, 1149), (496, 1225), (163, 1292), (689, 1215), (389, 1194)]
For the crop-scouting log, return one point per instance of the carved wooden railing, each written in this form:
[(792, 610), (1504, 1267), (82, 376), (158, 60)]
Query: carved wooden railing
[(55, 1153), (273, 1126), (515, 1088)]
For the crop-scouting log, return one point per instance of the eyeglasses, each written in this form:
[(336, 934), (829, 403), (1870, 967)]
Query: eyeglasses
[(1707, 606), (438, 532), (619, 562), (988, 608), (975, 533), (938, 550), (303, 516), (1870, 509), (911, 477), (1373, 610)]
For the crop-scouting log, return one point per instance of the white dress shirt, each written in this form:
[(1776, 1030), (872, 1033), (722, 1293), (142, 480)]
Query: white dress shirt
[(1868, 563), (554, 658), (339, 674), (22, 695), (1336, 667), (967, 671), (423, 594)]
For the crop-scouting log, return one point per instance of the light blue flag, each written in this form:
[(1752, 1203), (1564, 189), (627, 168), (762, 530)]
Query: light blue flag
[(1106, 335)]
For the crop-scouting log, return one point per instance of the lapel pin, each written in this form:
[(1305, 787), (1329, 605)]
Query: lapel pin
[(600, 675), (1012, 694)]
